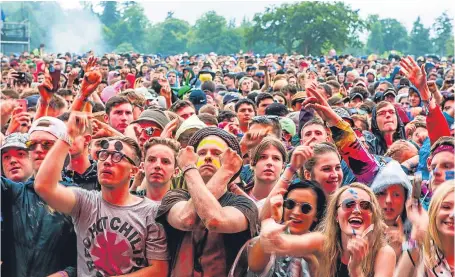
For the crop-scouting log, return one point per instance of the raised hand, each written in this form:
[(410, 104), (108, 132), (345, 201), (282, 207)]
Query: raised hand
[(231, 161), (300, 155), (416, 75), (103, 130), (77, 124), (170, 128), (92, 78), (419, 219), (45, 89), (318, 102), (186, 157), (358, 250), (270, 235), (20, 121), (253, 138), (276, 205)]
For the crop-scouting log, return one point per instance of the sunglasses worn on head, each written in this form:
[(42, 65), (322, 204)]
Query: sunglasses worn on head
[(46, 144), (349, 205), (304, 207), (103, 155)]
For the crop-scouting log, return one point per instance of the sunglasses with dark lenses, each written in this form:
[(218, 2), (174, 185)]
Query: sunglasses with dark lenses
[(349, 205), (46, 144), (103, 155), (149, 131), (304, 207)]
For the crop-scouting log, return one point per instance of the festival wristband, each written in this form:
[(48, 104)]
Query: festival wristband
[(188, 168), (409, 245)]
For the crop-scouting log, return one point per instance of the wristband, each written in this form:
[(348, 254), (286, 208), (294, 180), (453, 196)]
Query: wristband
[(409, 245), (63, 273), (66, 138), (187, 168), (292, 169)]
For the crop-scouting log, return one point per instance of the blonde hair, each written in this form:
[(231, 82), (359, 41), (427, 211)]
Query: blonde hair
[(432, 238), (332, 249)]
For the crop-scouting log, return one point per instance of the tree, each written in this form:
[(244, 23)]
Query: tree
[(207, 33), (172, 35), (110, 14), (420, 43), (385, 35), (375, 42), (306, 26), (125, 47), (443, 29)]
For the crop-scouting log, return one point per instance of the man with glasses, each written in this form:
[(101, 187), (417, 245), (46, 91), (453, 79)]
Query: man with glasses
[(38, 240), (111, 225), (149, 124)]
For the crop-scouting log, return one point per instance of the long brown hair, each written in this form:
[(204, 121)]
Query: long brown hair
[(333, 248)]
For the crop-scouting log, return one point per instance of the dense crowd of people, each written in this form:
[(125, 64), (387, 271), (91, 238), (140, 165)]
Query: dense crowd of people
[(211, 165)]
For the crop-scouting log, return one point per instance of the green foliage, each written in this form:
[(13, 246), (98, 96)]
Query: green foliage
[(419, 39), (443, 29), (306, 27), (125, 47), (302, 27), (386, 34)]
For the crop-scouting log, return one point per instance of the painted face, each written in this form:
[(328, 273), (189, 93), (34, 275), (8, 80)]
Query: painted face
[(113, 174), (327, 172), (386, 118), (245, 113), (391, 201), (121, 116), (440, 164), (445, 217), (186, 112), (159, 165), (269, 165), (314, 133), (354, 217), (38, 154), (209, 151), (16, 164), (148, 130), (263, 105), (302, 212)]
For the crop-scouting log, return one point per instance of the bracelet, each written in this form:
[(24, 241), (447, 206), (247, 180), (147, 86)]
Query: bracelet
[(187, 168), (409, 245), (292, 169), (63, 273)]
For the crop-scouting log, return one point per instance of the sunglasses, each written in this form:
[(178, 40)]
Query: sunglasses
[(32, 144), (149, 131), (103, 155), (349, 205), (304, 207)]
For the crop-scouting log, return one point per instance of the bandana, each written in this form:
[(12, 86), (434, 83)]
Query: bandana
[(442, 148)]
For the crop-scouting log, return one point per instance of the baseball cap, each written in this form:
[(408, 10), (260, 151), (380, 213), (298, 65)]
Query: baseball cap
[(52, 125), (152, 115), (299, 96), (354, 95), (335, 100), (344, 114), (193, 122), (390, 91), (15, 140), (32, 100), (198, 98), (230, 97), (288, 125)]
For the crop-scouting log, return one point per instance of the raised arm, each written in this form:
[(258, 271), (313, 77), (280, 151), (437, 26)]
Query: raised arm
[(183, 215), (215, 217), (45, 96), (92, 78), (47, 179), (362, 163)]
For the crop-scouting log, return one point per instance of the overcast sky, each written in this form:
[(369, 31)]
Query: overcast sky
[(404, 11)]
